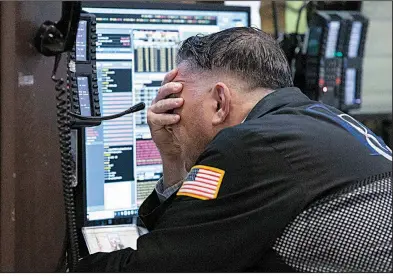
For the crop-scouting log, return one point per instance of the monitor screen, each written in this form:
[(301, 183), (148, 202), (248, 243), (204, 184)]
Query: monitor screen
[(314, 38), (80, 43), (137, 46), (355, 39), (84, 95)]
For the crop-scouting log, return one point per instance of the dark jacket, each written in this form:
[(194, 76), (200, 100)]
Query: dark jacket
[(289, 153)]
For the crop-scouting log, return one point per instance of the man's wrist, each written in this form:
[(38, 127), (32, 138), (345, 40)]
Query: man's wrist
[(173, 171), (164, 193)]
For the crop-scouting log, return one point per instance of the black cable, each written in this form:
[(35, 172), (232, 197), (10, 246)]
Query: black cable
[(64, 128), (275, 19), (298, 37), (299, 16), (132, 109)]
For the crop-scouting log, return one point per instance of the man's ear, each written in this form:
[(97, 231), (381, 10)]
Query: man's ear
[(222, 96)]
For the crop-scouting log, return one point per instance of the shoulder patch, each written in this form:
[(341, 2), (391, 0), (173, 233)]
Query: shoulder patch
[(202, 182)]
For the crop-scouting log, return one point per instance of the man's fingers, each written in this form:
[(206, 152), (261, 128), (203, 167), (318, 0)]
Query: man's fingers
[(163, 119), (166, 90), (166, 105), (169, 76)]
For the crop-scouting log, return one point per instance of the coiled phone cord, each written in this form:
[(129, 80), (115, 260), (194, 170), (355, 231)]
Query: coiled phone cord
[(64, 128)]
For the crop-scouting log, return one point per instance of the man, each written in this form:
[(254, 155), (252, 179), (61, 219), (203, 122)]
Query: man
[(256, 177)]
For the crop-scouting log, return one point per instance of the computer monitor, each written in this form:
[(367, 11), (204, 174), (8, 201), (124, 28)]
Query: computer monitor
[(137, 46)]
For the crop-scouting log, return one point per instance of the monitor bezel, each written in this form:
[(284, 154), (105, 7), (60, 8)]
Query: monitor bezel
[(166, 6), (81, 189)]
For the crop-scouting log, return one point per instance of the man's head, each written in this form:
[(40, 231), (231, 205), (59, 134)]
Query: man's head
[(224, 75)]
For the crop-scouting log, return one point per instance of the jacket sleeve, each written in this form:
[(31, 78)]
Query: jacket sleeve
[(257, 198)]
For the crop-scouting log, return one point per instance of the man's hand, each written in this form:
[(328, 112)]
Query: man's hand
[(159, 118)]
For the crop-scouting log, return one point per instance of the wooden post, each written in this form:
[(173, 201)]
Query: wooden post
[(32, 224), (267, 16)]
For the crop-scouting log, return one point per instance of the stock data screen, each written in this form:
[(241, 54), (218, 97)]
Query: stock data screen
[(135, 49)]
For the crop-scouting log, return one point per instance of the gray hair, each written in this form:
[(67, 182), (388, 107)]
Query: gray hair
[(248, 53)]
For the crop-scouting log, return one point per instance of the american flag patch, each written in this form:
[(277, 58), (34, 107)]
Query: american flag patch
[(203, 182)]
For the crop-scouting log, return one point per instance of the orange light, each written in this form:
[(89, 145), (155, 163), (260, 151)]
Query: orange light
[(321, 82), (338, 81)]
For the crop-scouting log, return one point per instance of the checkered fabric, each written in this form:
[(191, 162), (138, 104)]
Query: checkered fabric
[(350, 231)]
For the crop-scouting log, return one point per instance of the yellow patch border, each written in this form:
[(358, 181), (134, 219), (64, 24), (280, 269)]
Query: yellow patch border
[(221, 172), (191, 195)]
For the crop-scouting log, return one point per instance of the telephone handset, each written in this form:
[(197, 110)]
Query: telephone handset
[(56, 38)]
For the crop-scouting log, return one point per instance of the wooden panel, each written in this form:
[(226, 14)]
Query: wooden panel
[(267, 16), (31, 110), (7, 136)]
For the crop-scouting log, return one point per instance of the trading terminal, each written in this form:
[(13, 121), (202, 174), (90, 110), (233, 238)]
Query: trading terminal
[(118, 58), (136, 47)]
